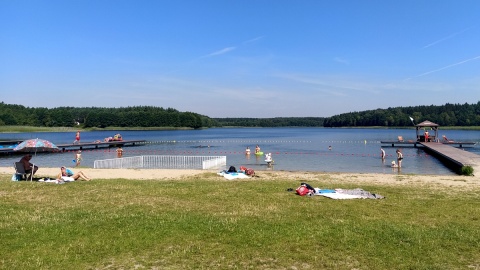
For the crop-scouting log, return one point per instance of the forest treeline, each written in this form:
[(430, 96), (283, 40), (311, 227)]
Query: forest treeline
[(140, 116), (150, 116), (444, 115), (270, 122)]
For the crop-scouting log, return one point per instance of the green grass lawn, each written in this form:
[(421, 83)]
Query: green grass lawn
[(204, 222)]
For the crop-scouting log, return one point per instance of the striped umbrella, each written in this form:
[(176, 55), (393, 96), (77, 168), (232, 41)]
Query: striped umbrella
[(36, 145)]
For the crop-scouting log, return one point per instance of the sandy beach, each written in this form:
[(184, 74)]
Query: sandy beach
[(440, 181)]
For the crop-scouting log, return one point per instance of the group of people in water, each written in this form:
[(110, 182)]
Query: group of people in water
[(258, 152), (394, 164)]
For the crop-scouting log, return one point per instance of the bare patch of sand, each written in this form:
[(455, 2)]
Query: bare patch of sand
[(139, 174), (443, 181)]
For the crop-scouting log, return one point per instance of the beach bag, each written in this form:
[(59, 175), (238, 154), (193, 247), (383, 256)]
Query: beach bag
[(16, 177), (249, 171), (302, 190), (232, 169), (308, 186)]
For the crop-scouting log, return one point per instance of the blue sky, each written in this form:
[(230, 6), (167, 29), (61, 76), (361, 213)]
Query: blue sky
[(240, 58)]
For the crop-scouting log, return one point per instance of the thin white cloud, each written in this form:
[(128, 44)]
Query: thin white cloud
[(449, 66), (220, 52), (229, 49), (445, 38), (252, 40)]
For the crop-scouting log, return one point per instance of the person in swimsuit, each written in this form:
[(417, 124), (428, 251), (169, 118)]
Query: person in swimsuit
[(399, 158), (119, 152), (77, 137), (78, 158), (80, 174)]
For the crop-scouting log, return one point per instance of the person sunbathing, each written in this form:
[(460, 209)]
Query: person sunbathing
[(63, 173), (446, 139)]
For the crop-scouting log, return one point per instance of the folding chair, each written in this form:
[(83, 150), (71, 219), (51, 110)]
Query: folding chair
[(20, 170)]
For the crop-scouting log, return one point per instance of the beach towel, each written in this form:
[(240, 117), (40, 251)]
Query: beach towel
[(232, 176), (343, 194), (339, 196), (67, 179), (55, 181)]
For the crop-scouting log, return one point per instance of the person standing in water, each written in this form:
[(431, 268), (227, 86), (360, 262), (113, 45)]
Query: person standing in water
[(78, 158), (399, 158), (119, 152), (382, 153), (247, 151)]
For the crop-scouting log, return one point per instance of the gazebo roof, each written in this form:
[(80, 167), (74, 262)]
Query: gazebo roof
[(427, 124)]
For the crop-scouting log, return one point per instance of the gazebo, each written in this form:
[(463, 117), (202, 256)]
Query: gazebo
[(424, 125)]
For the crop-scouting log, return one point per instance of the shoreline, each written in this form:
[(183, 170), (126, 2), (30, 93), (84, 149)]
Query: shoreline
[(444, 181)]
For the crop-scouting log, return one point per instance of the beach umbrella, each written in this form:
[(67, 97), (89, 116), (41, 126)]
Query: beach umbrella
[(36, 145)]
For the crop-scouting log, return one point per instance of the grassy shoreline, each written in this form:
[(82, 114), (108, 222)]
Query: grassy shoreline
[(199, 222)]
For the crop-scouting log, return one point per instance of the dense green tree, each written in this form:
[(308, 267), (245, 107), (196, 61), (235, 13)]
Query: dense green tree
[(149, 116), (446, 115)]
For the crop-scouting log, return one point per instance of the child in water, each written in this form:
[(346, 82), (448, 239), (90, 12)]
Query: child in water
[(78, 158)]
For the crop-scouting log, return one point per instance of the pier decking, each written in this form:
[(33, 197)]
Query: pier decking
[(89, 145), (95, 145), (455, 155), (414, 143), (398, 143)]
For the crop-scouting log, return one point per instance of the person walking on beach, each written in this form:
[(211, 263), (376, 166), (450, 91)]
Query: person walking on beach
[(77, 137), (399, 158), (78, 158), (119, 152)]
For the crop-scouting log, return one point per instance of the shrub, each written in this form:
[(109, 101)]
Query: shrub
[(466, 170)]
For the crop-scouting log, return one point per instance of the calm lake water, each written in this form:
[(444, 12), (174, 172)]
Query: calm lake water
[(293, 149)]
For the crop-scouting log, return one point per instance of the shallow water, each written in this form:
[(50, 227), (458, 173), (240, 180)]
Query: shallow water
[(293, 149)]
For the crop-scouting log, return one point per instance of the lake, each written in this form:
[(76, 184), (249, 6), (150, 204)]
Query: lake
[(293, 149)]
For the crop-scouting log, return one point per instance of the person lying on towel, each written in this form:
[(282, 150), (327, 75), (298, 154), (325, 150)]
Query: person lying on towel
[(65, 176)]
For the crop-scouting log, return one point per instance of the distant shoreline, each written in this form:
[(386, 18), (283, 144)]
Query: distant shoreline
[(27, 129)]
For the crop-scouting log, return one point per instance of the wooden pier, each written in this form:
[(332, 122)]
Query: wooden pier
[(96, 145), (400, 143), (454, 155), (82, 146), (415, 143)]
